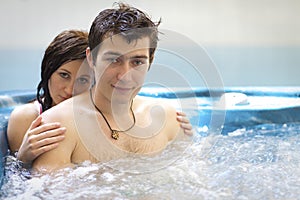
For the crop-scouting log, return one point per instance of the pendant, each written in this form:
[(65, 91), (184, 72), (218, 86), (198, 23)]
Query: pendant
[(115, 134)]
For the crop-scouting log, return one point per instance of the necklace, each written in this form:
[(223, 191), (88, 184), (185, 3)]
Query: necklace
[(114, 132)]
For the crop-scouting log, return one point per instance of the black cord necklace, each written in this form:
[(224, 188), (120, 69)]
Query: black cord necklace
[(114, 132)]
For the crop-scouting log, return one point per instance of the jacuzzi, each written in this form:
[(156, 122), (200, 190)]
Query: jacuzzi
[(9, 100), (229, 112)]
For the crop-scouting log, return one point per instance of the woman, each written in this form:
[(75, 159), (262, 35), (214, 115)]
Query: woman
[(63, 74), (59, 75)]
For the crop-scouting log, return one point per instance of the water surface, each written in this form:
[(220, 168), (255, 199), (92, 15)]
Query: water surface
[(260, 162)]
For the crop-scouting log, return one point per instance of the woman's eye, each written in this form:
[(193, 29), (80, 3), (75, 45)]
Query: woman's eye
[(83, 81), (64, 75)]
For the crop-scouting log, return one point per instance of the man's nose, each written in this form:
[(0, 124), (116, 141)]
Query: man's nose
[(124, 72)]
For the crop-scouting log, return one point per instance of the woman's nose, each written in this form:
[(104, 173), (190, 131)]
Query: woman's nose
[(69, 89)]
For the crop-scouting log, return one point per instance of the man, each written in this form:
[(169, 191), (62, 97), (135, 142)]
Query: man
[(110, 121)]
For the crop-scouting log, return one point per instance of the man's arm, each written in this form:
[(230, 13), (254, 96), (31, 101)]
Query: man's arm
[(59, 157)]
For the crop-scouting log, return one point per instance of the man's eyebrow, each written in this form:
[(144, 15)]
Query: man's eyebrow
[(113, 53), (140, 56)]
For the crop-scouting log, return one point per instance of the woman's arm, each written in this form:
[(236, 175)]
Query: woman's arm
[(27, 136), (40, 139), (19, 121), (185, 123)]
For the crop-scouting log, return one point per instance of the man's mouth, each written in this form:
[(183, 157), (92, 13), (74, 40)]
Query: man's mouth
[(122, 88)]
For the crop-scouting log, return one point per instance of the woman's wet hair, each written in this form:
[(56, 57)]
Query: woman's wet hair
[(128, 21), (68, 46)]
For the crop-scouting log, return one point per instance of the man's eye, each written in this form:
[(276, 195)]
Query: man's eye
[(138, 62), (113, 60)]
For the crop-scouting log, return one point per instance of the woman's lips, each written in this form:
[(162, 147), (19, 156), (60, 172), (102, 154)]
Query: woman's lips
[(64, 98)]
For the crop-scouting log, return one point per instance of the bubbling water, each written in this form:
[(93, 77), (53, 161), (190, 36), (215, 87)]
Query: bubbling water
[(261, 162)]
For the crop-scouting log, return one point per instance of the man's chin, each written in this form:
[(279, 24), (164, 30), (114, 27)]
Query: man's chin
[(118, 97), (124, 96)]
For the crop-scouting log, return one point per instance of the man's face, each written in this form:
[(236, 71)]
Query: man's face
[(121, 67)]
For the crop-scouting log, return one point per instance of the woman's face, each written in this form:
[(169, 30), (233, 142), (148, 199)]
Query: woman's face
[(69, 79)]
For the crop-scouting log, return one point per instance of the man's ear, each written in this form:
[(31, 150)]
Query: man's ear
[(89, 57)]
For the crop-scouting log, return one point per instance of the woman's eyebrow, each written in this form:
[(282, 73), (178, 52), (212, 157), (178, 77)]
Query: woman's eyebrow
[(65, 70)]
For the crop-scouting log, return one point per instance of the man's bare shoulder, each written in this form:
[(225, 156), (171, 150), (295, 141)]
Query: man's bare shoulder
[(143, 102), (65, 110), (161, 111), (157, 109), (58, 112), (62, 154)]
